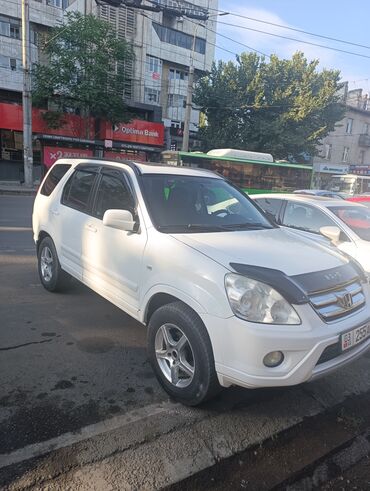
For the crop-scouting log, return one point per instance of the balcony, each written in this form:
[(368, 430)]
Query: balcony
[(364, 140)]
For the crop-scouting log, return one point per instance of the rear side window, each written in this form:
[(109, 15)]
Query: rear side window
[(54, 176), (271, 207), (77, 191)]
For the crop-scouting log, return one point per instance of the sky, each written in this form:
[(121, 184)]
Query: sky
[(334, 18)]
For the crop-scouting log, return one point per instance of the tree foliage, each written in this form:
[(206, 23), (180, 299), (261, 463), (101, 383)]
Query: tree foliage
[(84, 71), (283, 107)]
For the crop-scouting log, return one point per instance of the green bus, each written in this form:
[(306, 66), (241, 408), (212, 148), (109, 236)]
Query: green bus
[(253, 172)]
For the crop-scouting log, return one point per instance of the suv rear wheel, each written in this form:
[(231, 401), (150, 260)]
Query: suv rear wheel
[(180, 353), (52, 277)]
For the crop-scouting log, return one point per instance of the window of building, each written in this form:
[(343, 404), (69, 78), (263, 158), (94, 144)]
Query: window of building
[(153, 64), (176, 100), (345, 154), (366, 128), (10, 27), (13, 64), (349, 125), (4, 26), (175, 74), (152, 96), (15, 31), (54, 3), (328, 150), (4, 61), (362, 157), (178, 38)]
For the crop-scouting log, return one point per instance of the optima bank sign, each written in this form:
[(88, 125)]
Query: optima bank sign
[(139, 131)]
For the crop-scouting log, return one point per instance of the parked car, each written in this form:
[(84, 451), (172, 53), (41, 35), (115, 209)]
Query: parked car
[(320, 192), (228, 297), (349, 222), (363, 199)]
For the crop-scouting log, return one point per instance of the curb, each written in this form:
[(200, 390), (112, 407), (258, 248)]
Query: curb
[(162, 450), (15, 192)]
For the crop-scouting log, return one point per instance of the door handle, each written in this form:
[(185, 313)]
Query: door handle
[(55, 212), (91, 228)]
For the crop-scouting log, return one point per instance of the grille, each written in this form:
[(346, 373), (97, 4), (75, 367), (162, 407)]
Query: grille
[(339, 302)]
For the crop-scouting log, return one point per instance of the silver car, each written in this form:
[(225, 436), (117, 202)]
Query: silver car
[(345, 223)]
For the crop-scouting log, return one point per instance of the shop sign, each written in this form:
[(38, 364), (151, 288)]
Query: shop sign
[(363, 170), (51, 154), (331, 169), (137, 131)]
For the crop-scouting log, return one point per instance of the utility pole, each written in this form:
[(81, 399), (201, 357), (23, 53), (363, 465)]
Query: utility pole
[(26, 96), (189, 99), (189, 94)]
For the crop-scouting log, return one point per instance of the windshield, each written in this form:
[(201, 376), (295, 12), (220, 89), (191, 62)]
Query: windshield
[(184, 204), (356, 217)]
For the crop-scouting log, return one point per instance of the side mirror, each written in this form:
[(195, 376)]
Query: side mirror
[(120, 219), (331, 233)]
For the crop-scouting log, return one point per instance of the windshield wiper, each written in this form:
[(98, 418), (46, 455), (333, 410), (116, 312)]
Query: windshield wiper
[(247, 226), (205, 227), (193, 227)]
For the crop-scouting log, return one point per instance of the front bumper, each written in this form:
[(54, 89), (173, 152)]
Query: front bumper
[(239, 348)]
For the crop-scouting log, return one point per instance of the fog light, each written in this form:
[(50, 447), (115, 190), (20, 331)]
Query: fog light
[(273, 359)]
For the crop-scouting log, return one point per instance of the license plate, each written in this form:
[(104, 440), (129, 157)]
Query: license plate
[(351, 338)]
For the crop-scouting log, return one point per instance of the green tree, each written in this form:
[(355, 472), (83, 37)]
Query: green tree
[(83, 71), (283, 107)]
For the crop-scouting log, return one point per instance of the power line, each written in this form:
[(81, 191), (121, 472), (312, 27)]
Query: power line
[(236, 14), (230, 39), (291, 39)]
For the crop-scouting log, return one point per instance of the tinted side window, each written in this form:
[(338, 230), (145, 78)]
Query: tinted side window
[(77, 190), (54, 176), (271, 207), (112, 194), (301, 216)]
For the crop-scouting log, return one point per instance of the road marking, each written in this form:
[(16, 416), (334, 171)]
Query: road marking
[(15, 229), (38, 449)]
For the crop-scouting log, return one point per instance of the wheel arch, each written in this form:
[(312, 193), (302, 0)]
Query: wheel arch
[(42, 235), (155, 299)]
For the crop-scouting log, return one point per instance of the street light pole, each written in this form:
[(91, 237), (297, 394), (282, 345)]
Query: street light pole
[(189, 94), (26, 96)]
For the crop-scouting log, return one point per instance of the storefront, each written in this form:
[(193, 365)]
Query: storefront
[(76, 137)]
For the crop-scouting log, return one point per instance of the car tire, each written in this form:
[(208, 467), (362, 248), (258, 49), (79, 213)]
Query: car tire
[(181, 354), (52, 277)]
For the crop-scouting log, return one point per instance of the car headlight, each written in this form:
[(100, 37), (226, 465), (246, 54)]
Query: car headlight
[(257, 302)]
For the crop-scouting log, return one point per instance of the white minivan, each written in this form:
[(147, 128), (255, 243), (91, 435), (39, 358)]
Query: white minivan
[(228, 297)]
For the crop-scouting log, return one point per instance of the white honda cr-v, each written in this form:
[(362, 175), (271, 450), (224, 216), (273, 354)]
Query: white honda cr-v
[(228, 297)]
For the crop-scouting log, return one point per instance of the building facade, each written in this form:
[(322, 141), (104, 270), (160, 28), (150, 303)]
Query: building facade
[(165, 44), (164, 50), (348, 146)]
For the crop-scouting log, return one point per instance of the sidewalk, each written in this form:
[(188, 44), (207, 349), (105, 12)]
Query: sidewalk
[(14, 187)]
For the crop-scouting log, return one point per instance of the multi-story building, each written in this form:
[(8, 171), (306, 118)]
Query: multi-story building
[(165, 44), (348, 146), (44, 14)]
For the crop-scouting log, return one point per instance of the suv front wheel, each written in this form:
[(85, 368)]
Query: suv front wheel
[(180, 353), (52, 277)]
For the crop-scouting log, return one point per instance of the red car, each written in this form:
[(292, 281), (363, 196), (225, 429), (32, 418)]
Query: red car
[(364, 199)]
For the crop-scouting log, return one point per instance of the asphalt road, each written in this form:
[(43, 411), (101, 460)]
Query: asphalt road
[(66, 360), (73, 362)]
